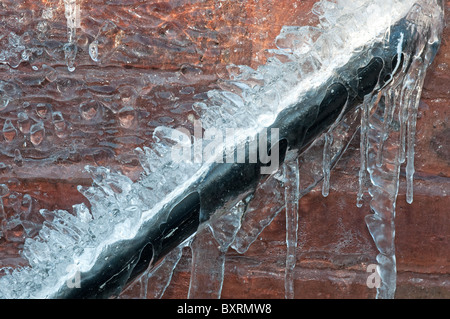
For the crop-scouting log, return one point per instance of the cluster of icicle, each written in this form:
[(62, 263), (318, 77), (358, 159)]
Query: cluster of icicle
[(383, 147), (388, 138), (305, 55), (387, 133)]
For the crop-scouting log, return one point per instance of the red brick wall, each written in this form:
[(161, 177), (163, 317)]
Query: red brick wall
[(334, 244)]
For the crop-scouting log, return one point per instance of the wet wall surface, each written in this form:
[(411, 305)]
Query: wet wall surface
[(104, 109)]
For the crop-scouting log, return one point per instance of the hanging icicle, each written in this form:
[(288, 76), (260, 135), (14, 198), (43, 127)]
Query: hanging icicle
[(291, 198), (387, 148), (209, 247), (72, 13)]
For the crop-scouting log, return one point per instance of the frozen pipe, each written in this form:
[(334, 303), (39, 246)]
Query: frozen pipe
[(113, 248), (368, 70)]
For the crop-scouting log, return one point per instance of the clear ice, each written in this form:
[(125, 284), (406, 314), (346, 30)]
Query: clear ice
[(60, 243), (291, 198)]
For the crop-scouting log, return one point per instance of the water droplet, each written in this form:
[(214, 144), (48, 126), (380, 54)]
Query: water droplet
[(93, 50), (89, 109), (70, 53), (4, 100), (18, 159), (24, 122), (126, 116), (42, 110), (37, 133), (9, 131), (59, 123), (58, 120), (4, 190), (50, 73), (3, 167)]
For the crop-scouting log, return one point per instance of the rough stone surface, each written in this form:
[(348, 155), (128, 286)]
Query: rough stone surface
[(334, 244)]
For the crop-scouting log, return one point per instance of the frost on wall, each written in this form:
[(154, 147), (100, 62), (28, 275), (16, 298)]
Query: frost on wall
[(79, 115)]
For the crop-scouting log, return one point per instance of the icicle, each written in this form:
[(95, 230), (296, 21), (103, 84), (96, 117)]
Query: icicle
[(152, 284), (159, 278), (384, 174), (208, 263), (327, 153), (384, 189), (262, 209), (4, 190), (403, 119), (412, 120), (72, 13), (326, 163), (292, 181), (208, 251), (390, 100), (93, 51), (363, 147), (384, 151)]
